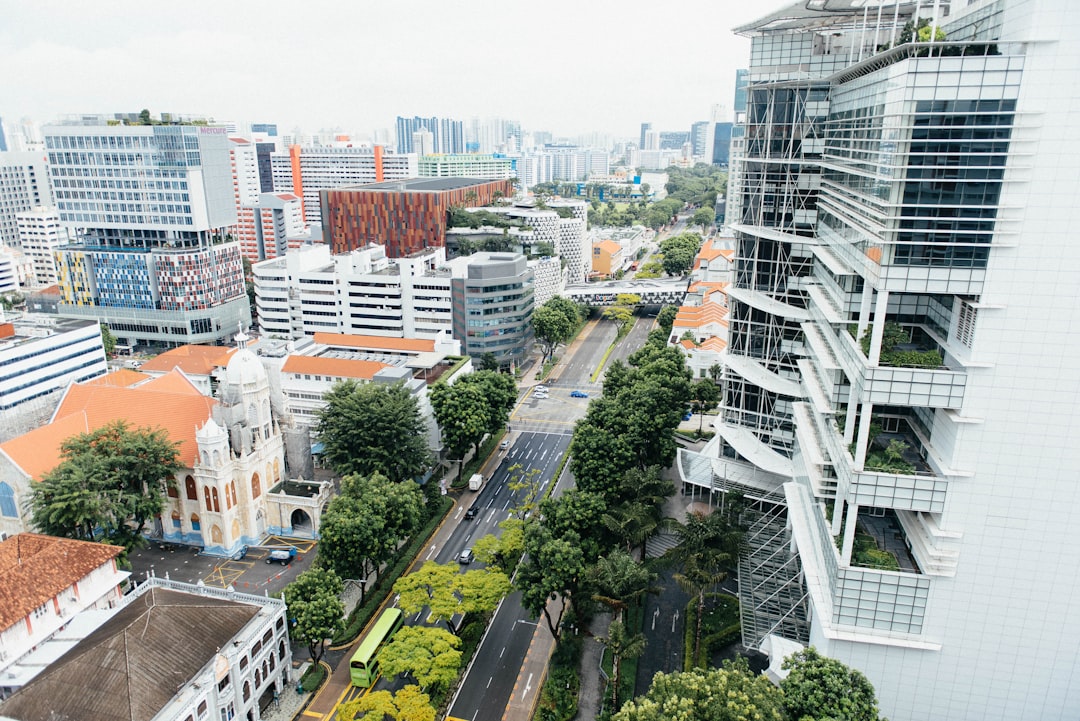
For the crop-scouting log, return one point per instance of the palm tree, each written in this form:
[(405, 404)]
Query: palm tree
[(632, 523), (622, 644), (708, 546), (620, 580)]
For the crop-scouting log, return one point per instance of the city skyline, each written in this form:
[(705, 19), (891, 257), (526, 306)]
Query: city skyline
[(370, 64)]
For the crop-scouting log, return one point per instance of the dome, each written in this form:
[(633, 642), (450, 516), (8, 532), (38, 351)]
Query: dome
[(245, 369)]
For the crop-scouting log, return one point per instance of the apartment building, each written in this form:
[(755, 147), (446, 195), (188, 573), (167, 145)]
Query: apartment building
[(24, 185), (40, 234), (896, 396), (471, 165), (306, 171), (148, 206)]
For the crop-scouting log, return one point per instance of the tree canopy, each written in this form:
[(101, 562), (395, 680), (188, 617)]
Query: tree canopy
[(447, 592), (679, 252), (731, 693), (554, 323), (819, 687), (363, 525), (408, 704), (373, 428), (500, 395), (314, 603), (111, 481), (428, 654), (462, 413)]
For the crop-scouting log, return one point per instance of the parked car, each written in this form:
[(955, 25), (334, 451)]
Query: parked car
[(540, 396), (541, 388), (282, 555), (688, 416), (466, 557), (472, 512), (578, 394)]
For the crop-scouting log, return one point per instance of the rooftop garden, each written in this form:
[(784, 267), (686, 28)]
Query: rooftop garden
[(898, 347)]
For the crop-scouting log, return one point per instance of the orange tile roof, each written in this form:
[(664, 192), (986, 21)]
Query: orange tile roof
[(333, 367), (708, 288), (197, 360), (35, 568), (170, 402), (378, 342), (710, 252), (608, 246), (122, 377), (712, 343), (695, 316)]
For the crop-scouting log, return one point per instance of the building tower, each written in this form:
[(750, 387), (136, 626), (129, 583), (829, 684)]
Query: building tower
[(148, 206), (896, 385)]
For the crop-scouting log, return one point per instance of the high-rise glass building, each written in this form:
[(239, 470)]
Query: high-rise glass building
[(148, 206), (899, 387), (448, 135)]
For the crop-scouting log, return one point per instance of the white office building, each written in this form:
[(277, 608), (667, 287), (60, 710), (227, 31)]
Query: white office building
[(902, 371), (465, 166), (40, 234), (24, 185)]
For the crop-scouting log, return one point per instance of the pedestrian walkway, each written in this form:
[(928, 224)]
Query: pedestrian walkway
[(593, 687)]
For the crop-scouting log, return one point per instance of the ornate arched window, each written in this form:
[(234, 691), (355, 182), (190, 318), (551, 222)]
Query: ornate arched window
[(190, 489), (256, 487)]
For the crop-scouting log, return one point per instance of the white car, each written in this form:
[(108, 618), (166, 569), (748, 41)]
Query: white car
[(540, 394), (541, 389)]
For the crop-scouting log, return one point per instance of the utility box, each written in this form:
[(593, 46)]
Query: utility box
[(476, 482)]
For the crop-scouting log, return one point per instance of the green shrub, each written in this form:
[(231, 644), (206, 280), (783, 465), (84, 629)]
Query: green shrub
[(720, 627), (559, 697), (313, 678)]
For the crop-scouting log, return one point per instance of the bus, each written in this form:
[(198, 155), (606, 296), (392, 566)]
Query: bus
[(364, 666)]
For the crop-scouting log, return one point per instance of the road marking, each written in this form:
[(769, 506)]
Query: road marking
[(528, 687), (431, 553), (492, 515), (502, 652), (507, 505), (489, 682)]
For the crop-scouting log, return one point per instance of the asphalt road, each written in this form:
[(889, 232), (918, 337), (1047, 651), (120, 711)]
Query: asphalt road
[(489, 681), (579, 368)]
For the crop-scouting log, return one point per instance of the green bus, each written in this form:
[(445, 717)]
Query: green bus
[(364, 666)]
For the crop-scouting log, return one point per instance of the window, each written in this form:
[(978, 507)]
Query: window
[(206, 495), (195, 526), (217, 505), (7, 501), (965, 323)]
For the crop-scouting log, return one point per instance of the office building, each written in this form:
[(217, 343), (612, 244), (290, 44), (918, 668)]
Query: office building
[(225, 655), (645, 128), (448, 136), (24, 185), (699, 138), (306, 171), (406, 216), (148, 206), (3, 138), (465, 166), (721, 143), (422, 296), (897, 394)]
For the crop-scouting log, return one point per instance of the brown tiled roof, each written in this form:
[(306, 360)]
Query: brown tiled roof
[(695, 316), (170, 402), (35, 568), (134, 664), (416, 345), (192, 359), (333, 367), (122, 377)]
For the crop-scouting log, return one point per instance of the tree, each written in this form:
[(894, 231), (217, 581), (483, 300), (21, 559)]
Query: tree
[(373, 428), (622, 644), (704, 217), (554, 323), (678, 260), (731, 693), (622, 316), (314, 605), (107, 479), (144, 117), (553, 567), (708, 546), (819, 687), (462, 414), (428, 654), (500, 393), (448, 593), (706, 396), (488, 362), (620, 580), (408, 704), (363, 525), (108, 340), (665, 319)]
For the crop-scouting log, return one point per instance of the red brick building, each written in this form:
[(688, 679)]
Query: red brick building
[(403, 215)]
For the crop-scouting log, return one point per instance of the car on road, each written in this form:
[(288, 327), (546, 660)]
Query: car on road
[(578, 394), (541, 395), (543, 389), (472, 512), (466, 557), (504, 445), (688, 416)]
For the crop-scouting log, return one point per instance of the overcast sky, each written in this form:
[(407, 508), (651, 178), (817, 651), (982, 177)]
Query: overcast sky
[(565, 66)]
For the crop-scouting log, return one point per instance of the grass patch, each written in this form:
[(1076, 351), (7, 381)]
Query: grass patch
[(385, 583), (719, 627), (313, 677)]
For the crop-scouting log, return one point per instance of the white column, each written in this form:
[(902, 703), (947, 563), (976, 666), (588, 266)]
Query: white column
[(879, 326), (849, 533), (865, 414)]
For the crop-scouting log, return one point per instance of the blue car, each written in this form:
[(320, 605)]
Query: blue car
[(578, 394), (688, 416)]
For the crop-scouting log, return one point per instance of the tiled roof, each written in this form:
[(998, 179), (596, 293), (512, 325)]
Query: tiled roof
[(695, 316), (169, 402), (122, 377), (609, 246), (199, 360), (35, 568), (709, 251), (708, 288), (333, 367), (132, 666), (378, 342)]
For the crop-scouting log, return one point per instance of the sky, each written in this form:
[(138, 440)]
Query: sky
[(567, 67)]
